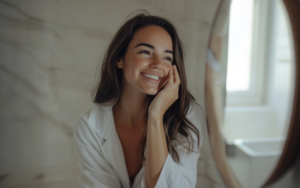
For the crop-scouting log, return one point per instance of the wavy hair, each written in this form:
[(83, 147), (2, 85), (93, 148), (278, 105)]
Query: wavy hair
[(109, 87)]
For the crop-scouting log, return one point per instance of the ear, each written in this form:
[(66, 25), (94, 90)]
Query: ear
[(119, 63)]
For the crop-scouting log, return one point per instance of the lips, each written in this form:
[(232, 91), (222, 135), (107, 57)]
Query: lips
[(152, 73), (151, 80)]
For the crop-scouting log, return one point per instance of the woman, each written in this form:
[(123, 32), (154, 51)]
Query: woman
[(143, 122)]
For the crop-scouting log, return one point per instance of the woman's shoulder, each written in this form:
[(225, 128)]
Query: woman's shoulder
[(95, 110), (195, 111), (197, 117), (94, 119)]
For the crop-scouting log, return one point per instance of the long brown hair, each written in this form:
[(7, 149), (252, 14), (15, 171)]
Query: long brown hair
[(109, 87)]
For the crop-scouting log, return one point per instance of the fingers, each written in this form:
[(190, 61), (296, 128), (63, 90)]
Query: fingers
[(171, 77), (177, 79)]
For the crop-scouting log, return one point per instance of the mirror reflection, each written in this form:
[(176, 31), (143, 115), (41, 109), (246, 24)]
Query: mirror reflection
[(250, 74), (260, 80)]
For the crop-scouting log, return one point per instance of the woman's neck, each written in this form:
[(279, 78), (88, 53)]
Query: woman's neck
[(132, 109)]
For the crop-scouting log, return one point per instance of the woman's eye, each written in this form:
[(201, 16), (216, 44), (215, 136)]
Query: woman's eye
[(169, 59), (144, 52)]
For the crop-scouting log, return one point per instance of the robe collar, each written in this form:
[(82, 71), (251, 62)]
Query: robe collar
[(112, 145)]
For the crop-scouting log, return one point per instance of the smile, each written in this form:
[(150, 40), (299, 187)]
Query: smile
[(151, 78)]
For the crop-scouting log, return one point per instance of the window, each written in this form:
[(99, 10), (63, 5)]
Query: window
[(247, 52), (260, 83)]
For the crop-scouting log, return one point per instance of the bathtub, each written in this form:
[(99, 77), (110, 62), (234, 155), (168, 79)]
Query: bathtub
[(254, 159)]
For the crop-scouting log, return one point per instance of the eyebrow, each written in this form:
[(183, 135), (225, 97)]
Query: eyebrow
[(152, 47)]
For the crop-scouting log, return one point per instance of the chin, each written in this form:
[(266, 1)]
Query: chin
[(151, 91)]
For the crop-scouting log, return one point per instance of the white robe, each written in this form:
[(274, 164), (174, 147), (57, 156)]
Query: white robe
[(102, 161)]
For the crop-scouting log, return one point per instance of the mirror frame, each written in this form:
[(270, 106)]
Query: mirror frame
[(291, 148), (216, 139)]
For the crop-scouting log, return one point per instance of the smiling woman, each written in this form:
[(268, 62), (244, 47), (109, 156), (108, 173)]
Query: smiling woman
[(141, 101), (149, 52)]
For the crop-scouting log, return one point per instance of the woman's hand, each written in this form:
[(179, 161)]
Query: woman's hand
[(167, 96)]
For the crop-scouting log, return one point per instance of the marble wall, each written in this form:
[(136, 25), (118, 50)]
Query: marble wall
[(49, 51)]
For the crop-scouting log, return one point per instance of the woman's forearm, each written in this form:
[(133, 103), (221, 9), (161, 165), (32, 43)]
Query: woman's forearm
[(157, 151)]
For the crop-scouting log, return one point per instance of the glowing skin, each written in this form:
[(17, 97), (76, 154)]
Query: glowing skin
[(150, 51)]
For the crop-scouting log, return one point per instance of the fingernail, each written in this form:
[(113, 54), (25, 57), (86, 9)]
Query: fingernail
[(171, 71)]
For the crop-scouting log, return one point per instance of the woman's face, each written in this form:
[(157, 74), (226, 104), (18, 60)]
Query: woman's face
[(148, 60)]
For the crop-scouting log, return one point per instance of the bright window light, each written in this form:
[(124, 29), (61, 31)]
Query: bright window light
[(239, 45)]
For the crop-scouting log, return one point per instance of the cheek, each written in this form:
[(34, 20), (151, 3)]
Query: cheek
[(166, 69), (132, 67), (136, 63)]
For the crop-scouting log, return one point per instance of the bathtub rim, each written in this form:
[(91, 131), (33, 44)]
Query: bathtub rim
[(239, 143)]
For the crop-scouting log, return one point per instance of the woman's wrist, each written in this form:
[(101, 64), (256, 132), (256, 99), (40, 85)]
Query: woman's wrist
[(154, 118)]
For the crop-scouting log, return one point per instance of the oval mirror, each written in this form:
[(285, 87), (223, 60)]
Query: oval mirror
[(250, 87)]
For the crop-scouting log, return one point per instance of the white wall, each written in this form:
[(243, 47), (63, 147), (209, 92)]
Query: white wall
[(281, 67)]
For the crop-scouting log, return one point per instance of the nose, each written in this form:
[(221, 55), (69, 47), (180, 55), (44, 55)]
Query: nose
[(156, 63)]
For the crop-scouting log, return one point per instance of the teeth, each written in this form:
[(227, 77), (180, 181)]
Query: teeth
[(151, 76)]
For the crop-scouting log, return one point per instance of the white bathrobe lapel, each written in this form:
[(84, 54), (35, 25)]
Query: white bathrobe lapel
[(112, 146)]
